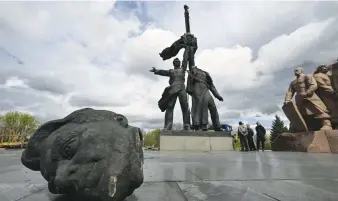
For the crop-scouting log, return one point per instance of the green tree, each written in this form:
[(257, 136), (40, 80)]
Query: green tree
[(267, 143), (18, 124), (151, 139), (277, 128)]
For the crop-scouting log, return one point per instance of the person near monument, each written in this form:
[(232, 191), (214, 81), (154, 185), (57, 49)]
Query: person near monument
[(260, 134), (251, 143), (234, 141), (198, 85), (243, 133), (307, 101), (326, 92), (175, 89)]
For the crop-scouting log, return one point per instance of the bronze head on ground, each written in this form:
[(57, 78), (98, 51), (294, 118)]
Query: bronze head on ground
[(92, 151)]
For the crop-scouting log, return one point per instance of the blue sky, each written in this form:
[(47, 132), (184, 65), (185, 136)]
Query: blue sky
[(62, 56)]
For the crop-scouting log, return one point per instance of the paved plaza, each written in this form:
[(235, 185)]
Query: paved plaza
[(212, 176)]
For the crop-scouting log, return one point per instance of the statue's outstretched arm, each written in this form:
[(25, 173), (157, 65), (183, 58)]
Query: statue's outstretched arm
[(212, 87), (161, 72)]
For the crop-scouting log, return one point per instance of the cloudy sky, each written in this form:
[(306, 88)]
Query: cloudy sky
[(56, 57)]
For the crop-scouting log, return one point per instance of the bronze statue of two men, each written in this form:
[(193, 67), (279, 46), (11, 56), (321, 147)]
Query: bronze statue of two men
[(199, 84)]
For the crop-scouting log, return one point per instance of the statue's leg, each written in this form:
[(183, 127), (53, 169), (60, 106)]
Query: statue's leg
[(204, 106), (169, 113), (214, 114), (195, 112), (183, 98)]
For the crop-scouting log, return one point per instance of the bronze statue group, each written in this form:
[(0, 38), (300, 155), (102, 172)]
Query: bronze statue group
[(199, 86)]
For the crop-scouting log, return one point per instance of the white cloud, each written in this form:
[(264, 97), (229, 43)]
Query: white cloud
[(15, 82), (228, 66), (73, 55), (294, 47)]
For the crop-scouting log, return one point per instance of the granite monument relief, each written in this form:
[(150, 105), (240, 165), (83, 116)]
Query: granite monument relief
[(313, 113)]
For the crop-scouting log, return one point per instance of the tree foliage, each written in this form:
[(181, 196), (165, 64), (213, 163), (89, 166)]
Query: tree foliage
[(277, 128), (151, 139), (267, 143), (18, 123)]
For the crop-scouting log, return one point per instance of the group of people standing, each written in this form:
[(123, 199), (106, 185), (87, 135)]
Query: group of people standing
[(246, 133)]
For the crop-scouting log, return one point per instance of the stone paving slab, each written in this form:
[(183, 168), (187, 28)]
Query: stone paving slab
[(208, 176)]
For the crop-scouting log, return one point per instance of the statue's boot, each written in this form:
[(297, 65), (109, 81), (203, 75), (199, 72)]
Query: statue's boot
[(204, 127), (168, 126), (186, 127), (197, 128), (326, 125)]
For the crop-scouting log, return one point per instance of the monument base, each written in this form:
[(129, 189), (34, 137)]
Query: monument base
[(181, 140), (312, 141)]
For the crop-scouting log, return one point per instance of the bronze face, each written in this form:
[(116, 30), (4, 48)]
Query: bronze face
[(177, 63)]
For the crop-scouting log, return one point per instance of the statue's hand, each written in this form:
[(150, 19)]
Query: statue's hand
[(153, 69)]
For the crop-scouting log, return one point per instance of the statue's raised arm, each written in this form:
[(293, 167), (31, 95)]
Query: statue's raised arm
[(161, 72)]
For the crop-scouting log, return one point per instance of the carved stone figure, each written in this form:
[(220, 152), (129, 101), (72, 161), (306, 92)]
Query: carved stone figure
[(198, 85), (333, 74), (170, 94), (326, 92), (307, 101), (90, 151)]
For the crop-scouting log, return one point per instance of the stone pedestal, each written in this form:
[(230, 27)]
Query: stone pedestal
[(195, 141), (312, 141)]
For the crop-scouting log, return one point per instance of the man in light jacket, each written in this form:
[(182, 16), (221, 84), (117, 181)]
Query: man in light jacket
[(243, 133)]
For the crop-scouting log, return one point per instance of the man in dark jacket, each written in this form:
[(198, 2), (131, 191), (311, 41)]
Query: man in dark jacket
[(172, 92), (250, 138), (260, 132)]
